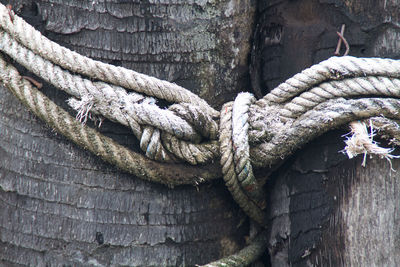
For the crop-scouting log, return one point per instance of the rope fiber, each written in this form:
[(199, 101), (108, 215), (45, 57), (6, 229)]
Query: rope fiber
[(245, 134)]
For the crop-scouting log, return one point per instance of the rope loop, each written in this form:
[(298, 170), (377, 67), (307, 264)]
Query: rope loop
[(151, 145), (199, 119), (229, 169), (241, 148)]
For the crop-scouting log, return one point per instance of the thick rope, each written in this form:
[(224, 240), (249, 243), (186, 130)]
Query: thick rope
[(150, 143), (203, 122), (241, 148), (210, 154), (228, 168), (334, 68), (98, 144), (194, 154), (76, 63), (130, 109), (326, 116), (105, 98), (250, 133), (352, 87)]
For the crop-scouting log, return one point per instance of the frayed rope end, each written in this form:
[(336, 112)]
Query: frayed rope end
[(84, 109), (361, 142)]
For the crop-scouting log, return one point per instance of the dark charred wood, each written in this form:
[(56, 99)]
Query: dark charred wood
[(327, 210)]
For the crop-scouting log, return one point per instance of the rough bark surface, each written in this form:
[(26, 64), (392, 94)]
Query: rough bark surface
[(60, 205), (327, 210), (201, 45)]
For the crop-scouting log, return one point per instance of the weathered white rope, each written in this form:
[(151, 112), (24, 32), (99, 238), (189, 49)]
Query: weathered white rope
[(114, 103), (351, 87), (110, 101), (203, 122), (168, 148), (194, 154), (67, 59), (97, 143), (324, 117), (241, 148), (150, 143), (334, 68), (228, 168), (192, 161)]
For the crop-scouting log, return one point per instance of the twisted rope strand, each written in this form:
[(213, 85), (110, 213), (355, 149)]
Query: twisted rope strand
[(111, 101), (326, 116), (192, 153), (354, 87), (204, 123), (151, 144), (98, 144), (67, 59), (228, 168), (246, 256), (334, 68), (241, 154)]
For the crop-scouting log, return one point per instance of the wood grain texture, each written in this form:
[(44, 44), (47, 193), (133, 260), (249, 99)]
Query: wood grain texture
[(327, 210), (364, 228)]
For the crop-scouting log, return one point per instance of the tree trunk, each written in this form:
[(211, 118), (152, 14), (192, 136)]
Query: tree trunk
[(60, 205), (327, 210)]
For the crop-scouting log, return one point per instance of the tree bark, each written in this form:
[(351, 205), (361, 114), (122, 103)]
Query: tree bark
[(60, 205), (325, 209)]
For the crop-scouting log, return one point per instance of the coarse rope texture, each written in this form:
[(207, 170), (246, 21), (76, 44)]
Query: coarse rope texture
[(183, 142)]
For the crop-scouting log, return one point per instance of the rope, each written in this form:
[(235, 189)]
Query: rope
[(103, 95), (354, 87), (228, 168), (241, 149), (246, 256), (98, 144), (130, 109), (76, 63), (245, 134), (334, 68), (326, 116)]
